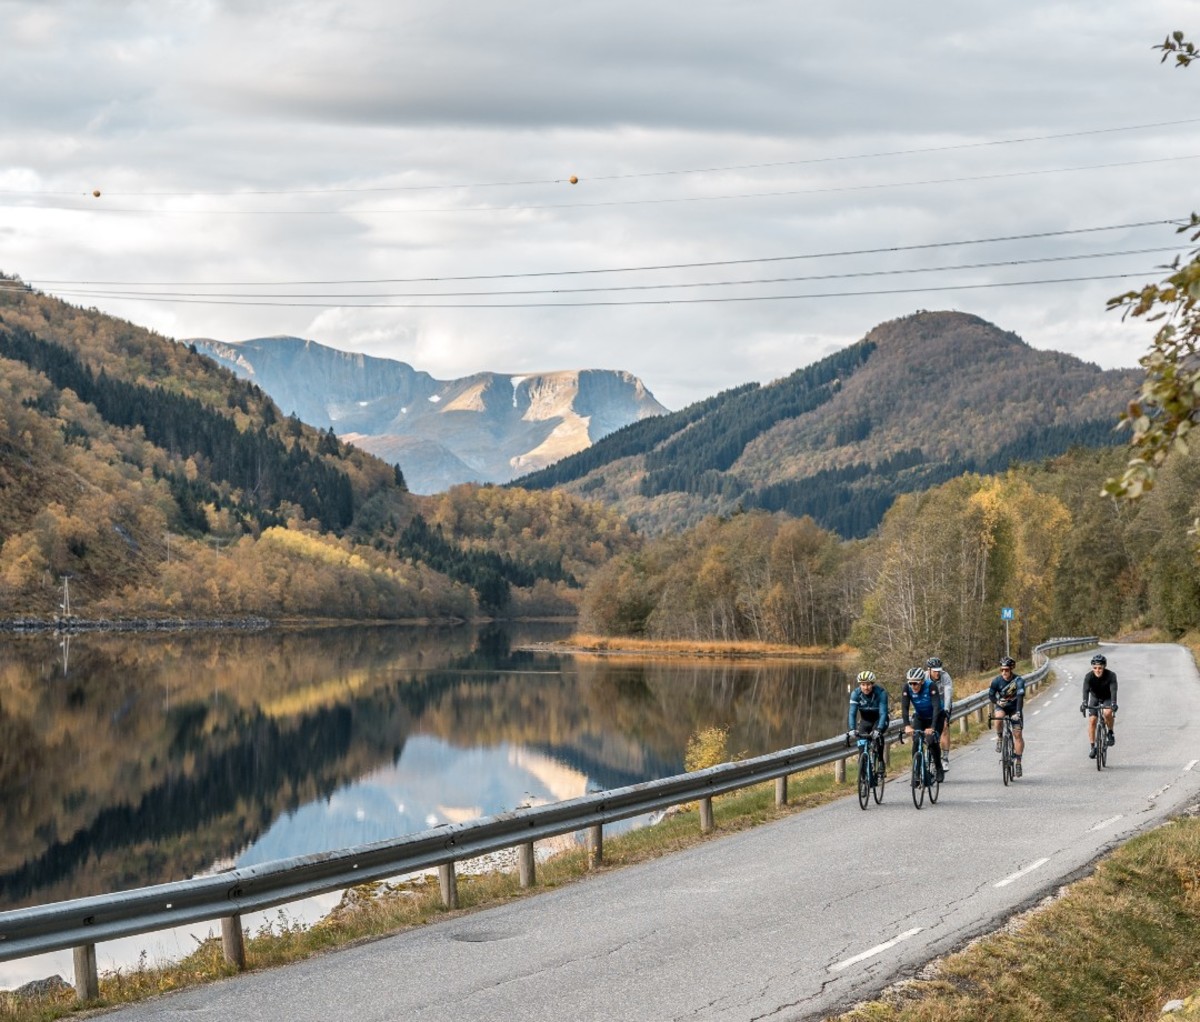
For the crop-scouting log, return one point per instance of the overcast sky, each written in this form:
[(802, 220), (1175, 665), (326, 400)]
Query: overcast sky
[(245, 148)]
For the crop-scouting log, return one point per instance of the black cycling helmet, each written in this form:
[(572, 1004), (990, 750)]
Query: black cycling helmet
[(934, 663), (914, 674), (1100, 659), (1007, 661)]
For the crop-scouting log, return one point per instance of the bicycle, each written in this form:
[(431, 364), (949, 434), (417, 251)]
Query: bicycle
[(1008, 758), (872, 773), (924, 777), (1103, 733)]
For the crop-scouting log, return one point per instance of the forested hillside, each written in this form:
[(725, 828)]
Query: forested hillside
[(141, 478), (918, 401), (1040, 538)]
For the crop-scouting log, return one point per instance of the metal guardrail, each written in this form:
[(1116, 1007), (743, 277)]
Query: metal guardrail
[(82, 922)]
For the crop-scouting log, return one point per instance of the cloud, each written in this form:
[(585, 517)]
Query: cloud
[(242, 148)]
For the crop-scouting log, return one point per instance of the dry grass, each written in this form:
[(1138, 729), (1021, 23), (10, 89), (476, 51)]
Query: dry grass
[(620, 645)]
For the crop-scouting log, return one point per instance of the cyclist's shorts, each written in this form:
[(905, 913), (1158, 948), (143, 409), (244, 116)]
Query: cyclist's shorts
[(863, 728), (920, 723), (1008, 711), (1094, 707)]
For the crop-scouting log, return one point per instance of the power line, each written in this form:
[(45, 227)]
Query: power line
[(87, 293), (648, 301), (809, 161), (645, 268), (607, 203)]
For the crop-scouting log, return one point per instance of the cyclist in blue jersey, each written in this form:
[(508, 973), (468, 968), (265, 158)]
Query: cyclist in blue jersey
[(869, 710), (922, 702), (1007, 696)]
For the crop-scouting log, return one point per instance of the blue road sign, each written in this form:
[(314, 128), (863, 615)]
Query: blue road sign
[(1006, 614)]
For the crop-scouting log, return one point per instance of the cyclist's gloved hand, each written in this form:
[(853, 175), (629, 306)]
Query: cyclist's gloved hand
[(875, 736), (1114, 707), (1083, 708)]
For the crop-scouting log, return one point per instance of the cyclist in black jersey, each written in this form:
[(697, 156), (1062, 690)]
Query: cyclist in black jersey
[(1099, 686)]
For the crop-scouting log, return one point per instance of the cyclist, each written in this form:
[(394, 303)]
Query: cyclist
[(922, 699), (869, 711), (1007, 696), (1099, 686), (938, 674)]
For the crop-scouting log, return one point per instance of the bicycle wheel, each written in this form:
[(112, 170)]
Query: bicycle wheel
[(864, 779), (878, 776), (918, 780), (1006, 757), (931, 781), (1099, 744)]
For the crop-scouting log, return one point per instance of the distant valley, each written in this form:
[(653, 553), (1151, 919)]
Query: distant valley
[(487, 427)]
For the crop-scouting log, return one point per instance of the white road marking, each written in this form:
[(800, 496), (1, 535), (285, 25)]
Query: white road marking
[(1105, 823), (1190, 765), (1151, 798), (1036, 712), (1021, 872), (877, 949)]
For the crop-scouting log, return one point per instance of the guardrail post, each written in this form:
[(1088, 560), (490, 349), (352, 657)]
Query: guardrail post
[(839, 771), (979, 715), (232, 942), (595, 845), (87, 982), (706, 816), (449, 884), (781, 790), (525, 865), (963, 727)]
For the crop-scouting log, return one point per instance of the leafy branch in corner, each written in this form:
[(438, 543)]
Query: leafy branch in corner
[(1168, 407)]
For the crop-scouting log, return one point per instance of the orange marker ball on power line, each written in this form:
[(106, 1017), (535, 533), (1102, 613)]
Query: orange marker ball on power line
[(96, 193), (573, 179)]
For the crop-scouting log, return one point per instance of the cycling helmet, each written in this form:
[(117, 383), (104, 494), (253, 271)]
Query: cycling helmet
[(1100, 659), (915, 674), (866, 677), (1007, 662), (934, 663)]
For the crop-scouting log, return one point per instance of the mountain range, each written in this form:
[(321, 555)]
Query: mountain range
[(917, 401), (487, 427)]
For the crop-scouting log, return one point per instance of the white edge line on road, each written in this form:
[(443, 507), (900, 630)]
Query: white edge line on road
[(877, 949), (1105, 823), (1021, 872), (1190, 765)]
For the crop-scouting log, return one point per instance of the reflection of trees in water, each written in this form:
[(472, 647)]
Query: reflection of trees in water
[(158, 761)]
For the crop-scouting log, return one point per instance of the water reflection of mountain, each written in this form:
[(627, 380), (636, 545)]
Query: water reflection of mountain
[(152, 759)]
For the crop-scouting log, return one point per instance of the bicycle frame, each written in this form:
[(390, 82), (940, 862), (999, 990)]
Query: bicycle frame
[(923, 777), (1100, 741), (1007, 755), (871, 771)]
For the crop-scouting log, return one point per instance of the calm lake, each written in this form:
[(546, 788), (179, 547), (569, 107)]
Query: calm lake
[(133, 760)]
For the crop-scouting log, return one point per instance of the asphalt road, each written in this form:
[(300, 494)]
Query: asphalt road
[(792, 920)]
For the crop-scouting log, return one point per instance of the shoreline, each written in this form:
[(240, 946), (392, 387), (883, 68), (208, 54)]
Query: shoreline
[(589, 645)]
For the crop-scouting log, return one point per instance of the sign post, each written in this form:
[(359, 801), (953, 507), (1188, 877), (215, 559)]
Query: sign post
[(1006, 615)]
